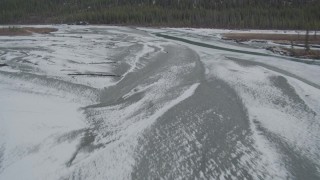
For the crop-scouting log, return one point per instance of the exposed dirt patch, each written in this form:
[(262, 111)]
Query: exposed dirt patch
[(13, 31), (294, 40), (277, 38), (299, 53), (311, 54), (24, 31), (41, 30)]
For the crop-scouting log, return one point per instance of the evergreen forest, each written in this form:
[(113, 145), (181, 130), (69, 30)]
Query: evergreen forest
[(233, 14)]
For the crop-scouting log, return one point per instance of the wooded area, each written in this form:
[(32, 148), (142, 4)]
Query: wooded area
[(258, 14)]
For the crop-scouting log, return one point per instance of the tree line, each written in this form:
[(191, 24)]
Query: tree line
[(258, 14)]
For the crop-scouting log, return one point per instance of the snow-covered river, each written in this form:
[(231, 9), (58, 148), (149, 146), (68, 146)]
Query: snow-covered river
[(107, 102)]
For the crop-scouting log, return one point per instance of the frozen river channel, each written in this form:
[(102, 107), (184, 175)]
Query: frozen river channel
[(107, 102)]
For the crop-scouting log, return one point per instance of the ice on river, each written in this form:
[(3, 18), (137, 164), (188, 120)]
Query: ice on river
[(108, 102)]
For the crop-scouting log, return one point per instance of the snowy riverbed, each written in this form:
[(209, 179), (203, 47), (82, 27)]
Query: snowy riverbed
[(108, 102)]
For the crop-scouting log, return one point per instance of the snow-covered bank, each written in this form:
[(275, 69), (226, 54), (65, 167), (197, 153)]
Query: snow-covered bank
[(305, 71), (174, 110), (57, 126), (279, 95), (33, 119)]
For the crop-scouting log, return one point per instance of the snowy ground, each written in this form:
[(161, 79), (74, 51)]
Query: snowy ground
[(187, 105)]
